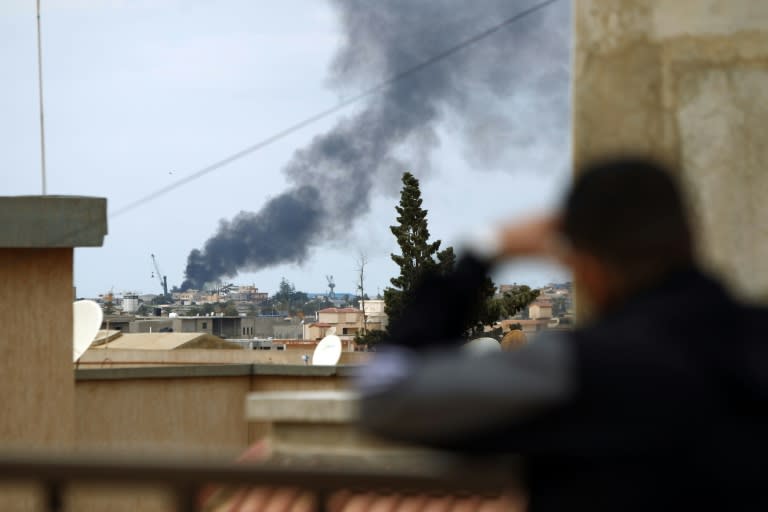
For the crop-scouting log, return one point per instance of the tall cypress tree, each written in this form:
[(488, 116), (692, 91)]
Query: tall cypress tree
[(417, 253)]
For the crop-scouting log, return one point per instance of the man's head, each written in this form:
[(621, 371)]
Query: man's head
[(626, 227)]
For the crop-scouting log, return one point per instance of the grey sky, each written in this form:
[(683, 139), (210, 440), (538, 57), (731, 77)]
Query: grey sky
[(140, 93)]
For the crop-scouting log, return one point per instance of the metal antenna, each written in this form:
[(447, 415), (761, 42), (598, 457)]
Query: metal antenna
[(40, 88)]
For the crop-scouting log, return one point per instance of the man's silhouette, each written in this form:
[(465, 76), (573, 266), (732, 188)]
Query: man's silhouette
[(657, 403)]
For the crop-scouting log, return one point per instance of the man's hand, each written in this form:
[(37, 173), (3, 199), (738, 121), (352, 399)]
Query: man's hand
[(535, 236)]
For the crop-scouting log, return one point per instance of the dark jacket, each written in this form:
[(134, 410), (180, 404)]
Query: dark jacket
[(661, 405)]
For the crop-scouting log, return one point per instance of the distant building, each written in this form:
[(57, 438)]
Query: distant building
[(222, 326), (375, 317), (130, 303), (117, 322), (166, 341), (540, 309), (317, 330), (231, 327), (186, 297), (346, 322)]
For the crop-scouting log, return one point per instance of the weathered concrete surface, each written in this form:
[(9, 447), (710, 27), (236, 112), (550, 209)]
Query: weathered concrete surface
[(116, 358), (302, 406), (200, 416), (37, 235), (193, 411), (686, 82), (319, 427), (37, 385), (52, 221)]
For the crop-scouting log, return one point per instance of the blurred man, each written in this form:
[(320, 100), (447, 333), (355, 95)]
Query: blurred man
[(658, 403)]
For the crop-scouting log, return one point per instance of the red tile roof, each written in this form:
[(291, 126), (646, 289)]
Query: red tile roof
[(266, 499)]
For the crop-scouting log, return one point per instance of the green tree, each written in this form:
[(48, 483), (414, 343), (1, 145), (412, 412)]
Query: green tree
[(310, 307), (518, 299), (287, 298), (371, 338), (160, 300), (108, 306), (284, 296), (229, 309), (490, 311), (497, 308), (417, 254)]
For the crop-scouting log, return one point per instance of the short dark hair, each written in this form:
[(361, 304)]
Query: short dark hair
[(629, 212)]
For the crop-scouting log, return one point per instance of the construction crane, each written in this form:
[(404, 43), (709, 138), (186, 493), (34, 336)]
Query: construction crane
[(163, 279)]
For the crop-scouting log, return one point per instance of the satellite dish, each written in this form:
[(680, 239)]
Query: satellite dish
[(86, 322), (327, 352), (482, 346)]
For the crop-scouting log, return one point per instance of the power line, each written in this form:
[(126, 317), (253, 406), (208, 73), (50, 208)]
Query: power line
[(330, 111)]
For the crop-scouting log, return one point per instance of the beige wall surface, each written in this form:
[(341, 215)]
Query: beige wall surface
[(685, 81), (201, 416), (35, 309), (114, 358), (159, 417), (192, 415)]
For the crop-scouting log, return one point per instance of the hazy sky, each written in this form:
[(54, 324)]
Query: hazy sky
[(140, 93)]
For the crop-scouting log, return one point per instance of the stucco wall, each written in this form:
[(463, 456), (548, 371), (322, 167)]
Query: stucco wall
[(194, 410), (174, 411), (113, 358), (35, 308), (686, 81)]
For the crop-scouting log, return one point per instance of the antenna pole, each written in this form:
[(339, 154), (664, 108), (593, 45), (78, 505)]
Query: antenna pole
[(40, 89)]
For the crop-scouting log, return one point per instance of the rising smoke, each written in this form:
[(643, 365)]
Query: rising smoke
[(508, 94)]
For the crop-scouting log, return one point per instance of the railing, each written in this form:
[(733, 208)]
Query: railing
[(186, 478)]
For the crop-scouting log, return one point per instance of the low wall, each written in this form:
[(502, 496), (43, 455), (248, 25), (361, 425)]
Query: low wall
[(175, 410), (114, 358), (195, 410)]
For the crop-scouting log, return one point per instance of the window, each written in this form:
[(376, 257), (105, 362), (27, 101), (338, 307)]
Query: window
[(205, 325)]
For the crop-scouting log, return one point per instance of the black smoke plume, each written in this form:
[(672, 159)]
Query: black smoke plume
[(508, 95)]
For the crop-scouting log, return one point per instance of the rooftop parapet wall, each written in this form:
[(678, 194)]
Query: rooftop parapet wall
[(52, 221), (685, 81)]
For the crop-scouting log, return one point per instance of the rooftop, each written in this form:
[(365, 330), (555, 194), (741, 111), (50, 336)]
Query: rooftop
[(166, 341)]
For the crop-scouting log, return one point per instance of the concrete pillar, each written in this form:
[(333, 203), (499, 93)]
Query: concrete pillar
[(37, 236), (685, 81)]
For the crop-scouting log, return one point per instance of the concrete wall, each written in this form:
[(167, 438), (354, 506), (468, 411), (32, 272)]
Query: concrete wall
[(179, 411), (191, 410), (115, 358), (685, 81), (37, 386), (195, 415)]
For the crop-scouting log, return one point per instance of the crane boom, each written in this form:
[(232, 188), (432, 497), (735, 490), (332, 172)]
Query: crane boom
[(163, 279)]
